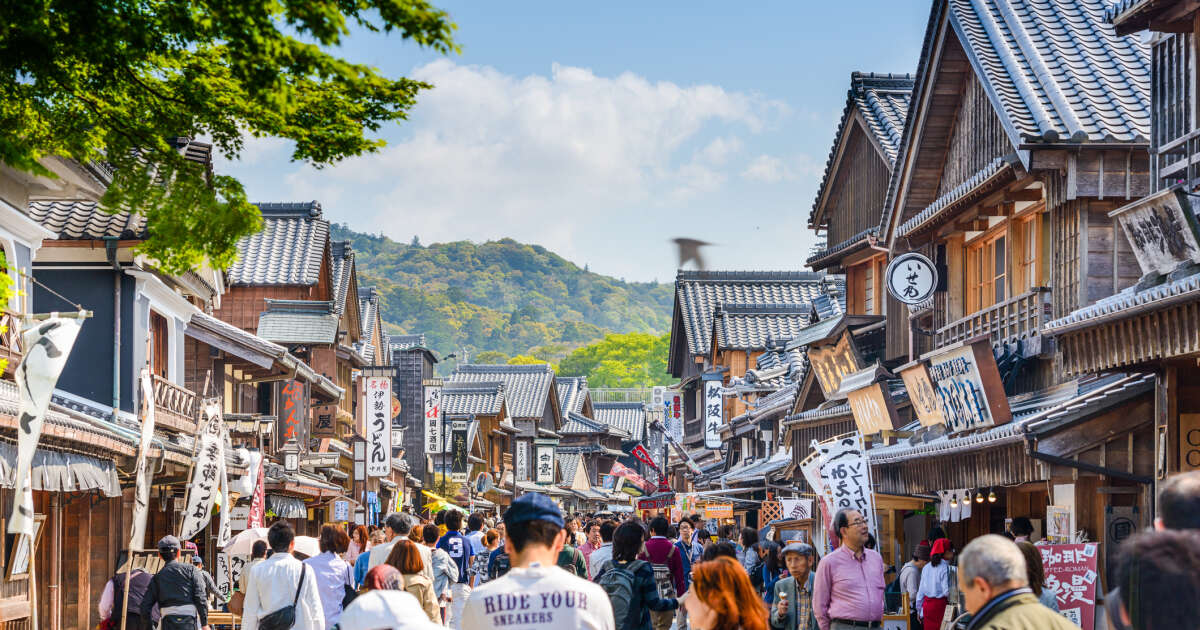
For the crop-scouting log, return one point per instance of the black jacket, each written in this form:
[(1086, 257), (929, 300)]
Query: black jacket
[(176, 584)]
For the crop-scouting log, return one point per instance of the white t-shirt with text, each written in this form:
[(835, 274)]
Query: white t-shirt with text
[(538, 598)]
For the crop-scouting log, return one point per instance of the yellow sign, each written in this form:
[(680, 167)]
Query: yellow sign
[(832, 362), (873, 410), (1189, 441), (922, 394), (718, 510)]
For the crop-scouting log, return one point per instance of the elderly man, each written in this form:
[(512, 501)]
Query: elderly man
[(397, 526), (793, 594), (992, 578), (848, 592)]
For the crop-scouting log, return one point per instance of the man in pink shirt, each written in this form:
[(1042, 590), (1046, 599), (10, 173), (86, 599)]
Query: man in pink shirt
[(661, 551), (848, 592)]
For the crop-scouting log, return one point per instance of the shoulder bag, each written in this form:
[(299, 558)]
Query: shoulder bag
[(284, 618)]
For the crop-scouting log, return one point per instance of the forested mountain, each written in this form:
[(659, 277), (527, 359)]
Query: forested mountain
[(501, 299)]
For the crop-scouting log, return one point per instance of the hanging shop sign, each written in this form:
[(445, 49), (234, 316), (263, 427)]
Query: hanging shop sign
[(379, 426), (1189, 441), (921, 393), (675, 416), (911, 278), (522, 460), (718, 510), (341, 511), (657, 502), (846, 475), (640, 483), (206, 470), (433, 418), (1071, 575), (544, 454), (870, 400), (1161, 229), (239, 516), (714, 413), (968, 386), (460, 449), (293, 412), (832, 362)]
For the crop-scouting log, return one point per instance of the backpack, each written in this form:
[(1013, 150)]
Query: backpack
[(619, 582), (663, 578), (569, 558)]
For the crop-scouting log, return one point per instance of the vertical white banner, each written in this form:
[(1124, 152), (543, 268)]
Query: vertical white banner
[(141, 471), (46, 345), (713, 414), (846, 475), (433, 419), (378, 399), (544, 463), (224, 529), (522, 462), (206, 473)]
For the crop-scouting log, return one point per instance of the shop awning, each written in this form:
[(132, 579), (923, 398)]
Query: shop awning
[(57, 471), (759, 470), (286, 507)]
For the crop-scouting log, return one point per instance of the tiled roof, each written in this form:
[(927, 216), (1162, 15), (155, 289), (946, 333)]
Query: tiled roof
[(582, 425), (289, 249), (85, 220), (572, 392), (994, 170), (404, 342), (568, 466), (793, 362), (1119, 9), (699, 293), (341, 270), (1122, 304), (1032, 413), (1059, 71), (853, 241), (298, 321), (526, 387), (628, 417), (368, 310), (749, 326), (759, 470), (485, 398), (882, 100)]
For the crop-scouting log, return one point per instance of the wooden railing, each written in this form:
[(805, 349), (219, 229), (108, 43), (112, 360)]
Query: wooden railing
[(1019, 319), (10, 340), (174, 406)]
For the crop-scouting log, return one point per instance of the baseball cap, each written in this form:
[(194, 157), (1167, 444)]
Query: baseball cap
[(803, 549), (533, 506), (168, 542)]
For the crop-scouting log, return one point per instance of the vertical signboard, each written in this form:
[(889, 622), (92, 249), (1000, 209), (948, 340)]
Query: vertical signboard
[(293, 413), (713, 414), (1071, 575), (922, 394), (675, 413), (433, 419), (522, 463), (1189, 441), (544, 462), (460, 465), (379, 425), (968, 386)]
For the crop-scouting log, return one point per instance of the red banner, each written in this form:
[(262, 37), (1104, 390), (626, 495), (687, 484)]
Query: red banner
[(656, 502), (621, 470), (1071, 576), (258, 512)]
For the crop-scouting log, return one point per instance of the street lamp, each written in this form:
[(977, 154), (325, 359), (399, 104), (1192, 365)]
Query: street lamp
[(291, 456)]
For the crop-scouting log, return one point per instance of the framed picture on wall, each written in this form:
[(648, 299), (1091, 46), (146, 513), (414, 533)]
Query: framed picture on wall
[(18, 560)]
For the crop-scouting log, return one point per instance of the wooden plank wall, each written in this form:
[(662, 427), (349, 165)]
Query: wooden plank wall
[(978, 137), (859, 188)]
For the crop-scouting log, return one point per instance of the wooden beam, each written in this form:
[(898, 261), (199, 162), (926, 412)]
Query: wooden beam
[(1027, 194), (973, 225), (993, 211)]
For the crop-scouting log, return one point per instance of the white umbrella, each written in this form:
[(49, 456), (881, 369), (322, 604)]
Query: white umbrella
[(241, 544), (308, 546)]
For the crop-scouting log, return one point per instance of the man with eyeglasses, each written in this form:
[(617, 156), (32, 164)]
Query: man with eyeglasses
[(848, 592)]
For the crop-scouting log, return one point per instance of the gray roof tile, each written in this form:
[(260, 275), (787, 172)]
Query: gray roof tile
[(85, 220), (568, 466), (749, 326), (983, 177), (288, 251), (341, 270), (628, 417), (404, 342), (368, 310), (572, 392), (699, 293), (485, 398), (298, 321), (527, 388), (1119, 306)]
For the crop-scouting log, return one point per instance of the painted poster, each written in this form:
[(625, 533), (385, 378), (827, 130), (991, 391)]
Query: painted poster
[(846, 475), (1071, 576), (522, 460), (206, 472), (796, 508), (47, 343), (433, 419), (713, 414), (379, 425), (142, 471), (1059, 526)]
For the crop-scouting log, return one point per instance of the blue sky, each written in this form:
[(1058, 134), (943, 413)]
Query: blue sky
[(602, 130)]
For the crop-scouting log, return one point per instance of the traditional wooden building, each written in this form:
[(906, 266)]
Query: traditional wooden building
[(484, 405), (414, 363)]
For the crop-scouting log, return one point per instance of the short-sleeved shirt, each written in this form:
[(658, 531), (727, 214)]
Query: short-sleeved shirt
[(458, 547)]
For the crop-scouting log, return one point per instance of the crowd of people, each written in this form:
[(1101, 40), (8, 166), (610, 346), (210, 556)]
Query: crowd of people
[(535, 568)]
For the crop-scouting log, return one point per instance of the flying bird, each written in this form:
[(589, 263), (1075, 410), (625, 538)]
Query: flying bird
[(689, 250)]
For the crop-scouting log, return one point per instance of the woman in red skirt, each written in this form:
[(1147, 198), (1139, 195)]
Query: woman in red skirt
[(935, 585)]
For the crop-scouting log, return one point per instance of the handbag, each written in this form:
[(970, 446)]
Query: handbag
[(237, 603), (284, 618), (348, 593)]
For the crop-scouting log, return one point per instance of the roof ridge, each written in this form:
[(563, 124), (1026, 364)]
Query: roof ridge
[(619, 405), (752, 308), (283, 209), (501, 368), (736, 276)]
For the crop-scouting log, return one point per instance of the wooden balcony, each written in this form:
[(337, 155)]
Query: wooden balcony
[(1017, 320), (10, 341), (174, 406)]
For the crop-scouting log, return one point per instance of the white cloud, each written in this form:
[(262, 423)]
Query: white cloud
[(770, 169)]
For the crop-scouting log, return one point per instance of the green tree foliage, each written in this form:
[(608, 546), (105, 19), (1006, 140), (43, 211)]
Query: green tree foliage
[(621, 360), (525, 359), (112, 81), (502, 297)]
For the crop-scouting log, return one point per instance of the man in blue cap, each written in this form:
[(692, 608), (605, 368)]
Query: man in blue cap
[(536, 593)]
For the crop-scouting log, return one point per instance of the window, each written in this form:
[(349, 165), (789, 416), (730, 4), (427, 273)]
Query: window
[(869, 288), (160, 338), (986, 262), (1026, 247), (865, 287)]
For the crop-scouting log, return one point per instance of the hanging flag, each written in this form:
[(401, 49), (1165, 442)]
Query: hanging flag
[(224, 528), (258, 499), (47, 344), (141, 471), (206, 471), (628, 474)]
